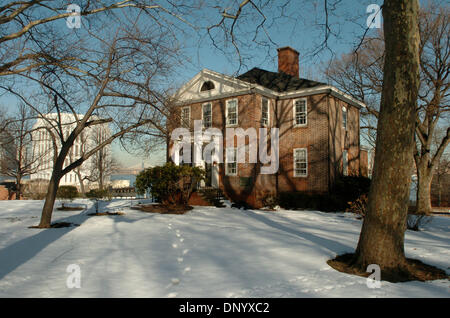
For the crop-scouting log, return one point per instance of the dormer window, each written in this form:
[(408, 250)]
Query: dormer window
[(207, 86)]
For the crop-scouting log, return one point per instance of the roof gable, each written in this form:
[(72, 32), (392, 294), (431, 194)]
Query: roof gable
[(223, 85)]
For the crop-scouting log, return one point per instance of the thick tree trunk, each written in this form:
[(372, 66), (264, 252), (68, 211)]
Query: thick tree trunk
[(47, 210), (382, 236), (423, 198)]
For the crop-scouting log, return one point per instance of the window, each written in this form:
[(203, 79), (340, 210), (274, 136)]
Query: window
[(300, 112), (232, 112), (207, 115), (231, 162), (265, 111), (300, 162), (207, 86), (185, 117), (345, 163), (344, 118)]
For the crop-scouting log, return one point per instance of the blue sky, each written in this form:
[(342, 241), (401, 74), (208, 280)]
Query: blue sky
[(299, 30)]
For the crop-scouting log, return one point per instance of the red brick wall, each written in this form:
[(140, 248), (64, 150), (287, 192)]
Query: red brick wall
[(323, 136), (364, 163), (196, 199), (340, 139), (5, 195)]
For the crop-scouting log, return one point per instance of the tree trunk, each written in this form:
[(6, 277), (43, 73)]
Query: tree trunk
[(423, 198), (47, 211), (19, 187), (80, 180), (382, 236)]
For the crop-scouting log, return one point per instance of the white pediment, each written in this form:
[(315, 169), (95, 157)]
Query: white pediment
[(223, 85)]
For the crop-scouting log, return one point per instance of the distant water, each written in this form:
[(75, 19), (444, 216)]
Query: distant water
[(130, 177)]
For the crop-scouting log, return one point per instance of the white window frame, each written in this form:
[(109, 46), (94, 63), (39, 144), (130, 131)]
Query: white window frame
[(306, 161), (268, 112), (181, 119), (237, 112), (227, 173), (345, 162), (294, 112), (344, 122), (203, 106)]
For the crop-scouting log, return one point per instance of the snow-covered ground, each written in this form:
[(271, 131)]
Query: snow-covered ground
[(209, 252)]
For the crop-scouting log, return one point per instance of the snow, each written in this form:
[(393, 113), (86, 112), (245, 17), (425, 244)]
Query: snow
[(208, 252)]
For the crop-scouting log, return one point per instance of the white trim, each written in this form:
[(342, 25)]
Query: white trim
[(226, 161), (294, 121), (243, 87), (268, 111), (306, 158), (203, 105), (181, 117), (226, 112)]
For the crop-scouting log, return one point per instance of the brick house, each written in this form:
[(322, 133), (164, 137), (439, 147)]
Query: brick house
[(318, 128)]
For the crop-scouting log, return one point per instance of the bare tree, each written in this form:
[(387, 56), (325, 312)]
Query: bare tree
[(102, 164), (360, 74), (116, 81), (434, 99), (28, 28), (20, 157)]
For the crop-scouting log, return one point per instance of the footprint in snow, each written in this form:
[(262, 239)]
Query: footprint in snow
[(180, 259), (172, 295), (175, 281), (174, 245)]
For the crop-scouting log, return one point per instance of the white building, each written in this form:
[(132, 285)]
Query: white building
[(86, 141)]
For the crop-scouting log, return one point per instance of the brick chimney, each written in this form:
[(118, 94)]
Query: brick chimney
[(288, 61)]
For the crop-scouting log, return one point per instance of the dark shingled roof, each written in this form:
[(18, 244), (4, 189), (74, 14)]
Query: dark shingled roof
[(279, 82)]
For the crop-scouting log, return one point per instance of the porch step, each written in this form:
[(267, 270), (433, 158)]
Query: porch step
[(213, 195)]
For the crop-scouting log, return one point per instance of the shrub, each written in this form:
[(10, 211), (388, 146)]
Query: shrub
[(67, 193), (359, 206), (301, 200), (170, 184), (98, 194), (270, 201)]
